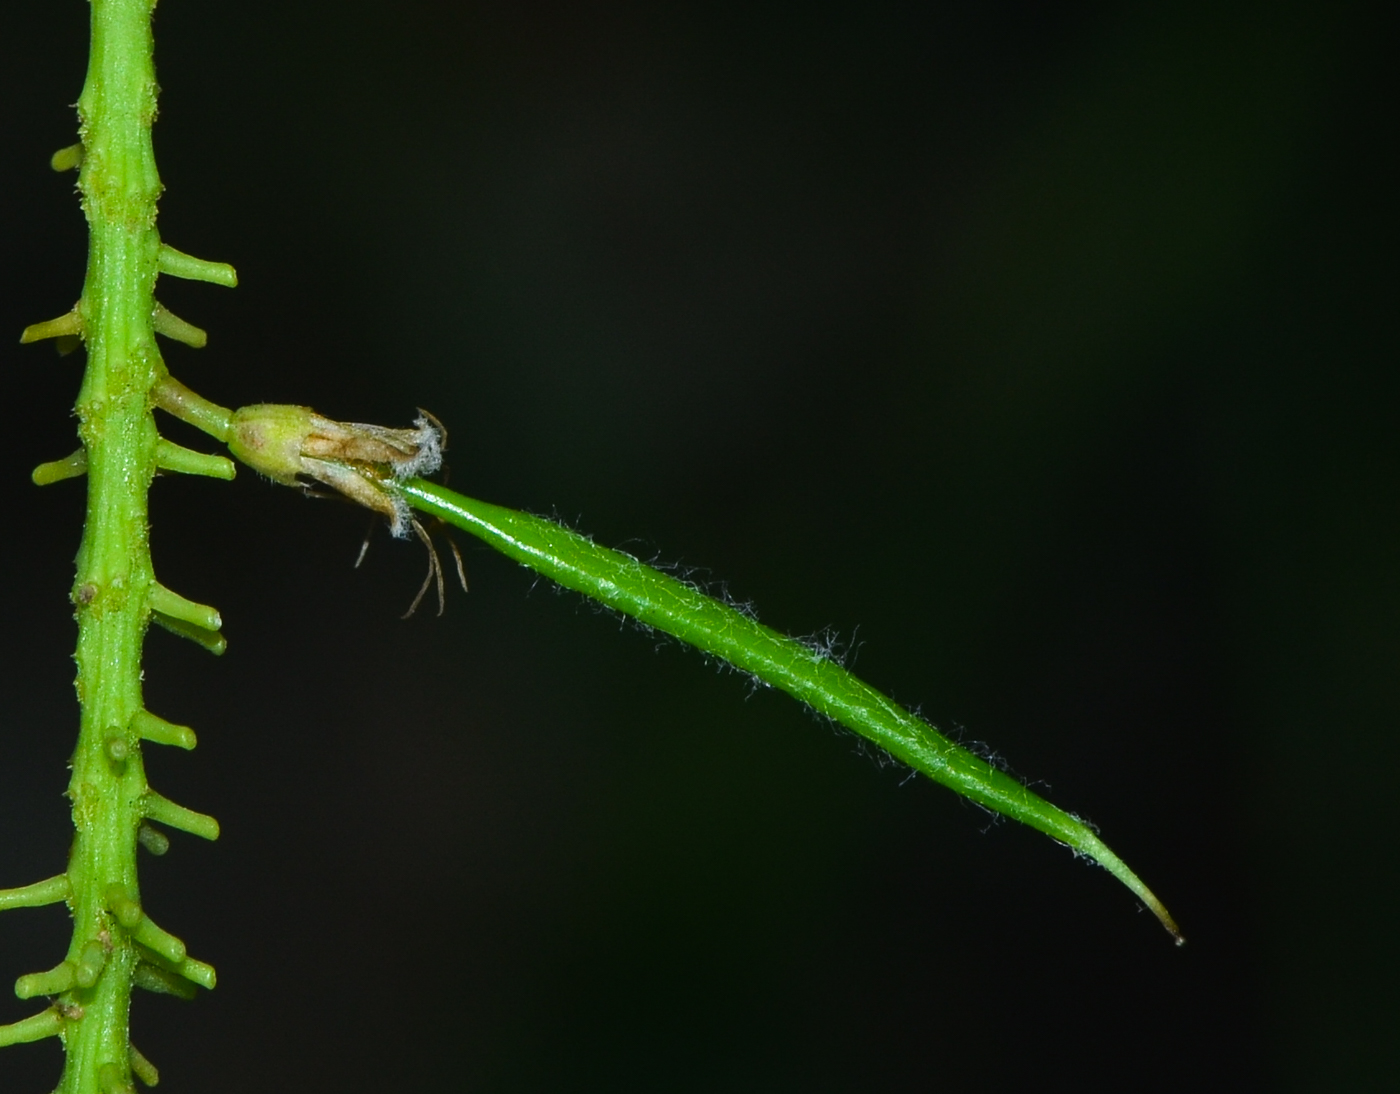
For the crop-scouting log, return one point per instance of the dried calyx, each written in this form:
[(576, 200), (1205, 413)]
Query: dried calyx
[(296, 446), (293, 444)]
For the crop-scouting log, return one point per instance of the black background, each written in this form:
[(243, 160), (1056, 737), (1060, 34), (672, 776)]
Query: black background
[(1050, 346)]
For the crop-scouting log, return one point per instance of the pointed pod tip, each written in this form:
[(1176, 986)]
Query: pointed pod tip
[(1091, 846), (1164, 917)]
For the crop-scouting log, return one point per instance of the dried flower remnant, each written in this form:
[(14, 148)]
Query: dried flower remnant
[(293, 444), (296, 446)]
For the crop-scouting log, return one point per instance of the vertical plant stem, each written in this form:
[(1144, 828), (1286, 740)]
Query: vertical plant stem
[(120, 186), (115, 944)]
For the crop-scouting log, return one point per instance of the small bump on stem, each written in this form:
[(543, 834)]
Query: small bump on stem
[(120, 904), (176, 399), (158, 731), (173, 327), (186, 461), (162, 809), (112, 1079), (174, 606), (52, 890), (70, 467), (151, 977), (153, 840), (117, 748), (53, 982), (142, 1068), (67, 159), (68, 325), (178, 264), (90, 964), (159, 940), (47, 1023)]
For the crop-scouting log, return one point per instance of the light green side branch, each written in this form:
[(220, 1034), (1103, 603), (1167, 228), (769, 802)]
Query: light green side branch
[(658, 600)]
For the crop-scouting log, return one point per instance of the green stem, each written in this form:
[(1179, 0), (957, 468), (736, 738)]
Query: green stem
[(658, 600), (115, 591), (119, 185)]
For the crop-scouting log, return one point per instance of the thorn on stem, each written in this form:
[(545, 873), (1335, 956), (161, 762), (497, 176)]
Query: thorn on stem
[(70, 467), (52, 890), (172, 326), (212, 641), (55, 981), (199, 972), (165, 811), (158, 731), (189, 971), (154, 979), (178, 264), (142, 1068), (186, 461), (160, 940), (66, 159), (69, 324), (165, 602), (47, 1023)]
